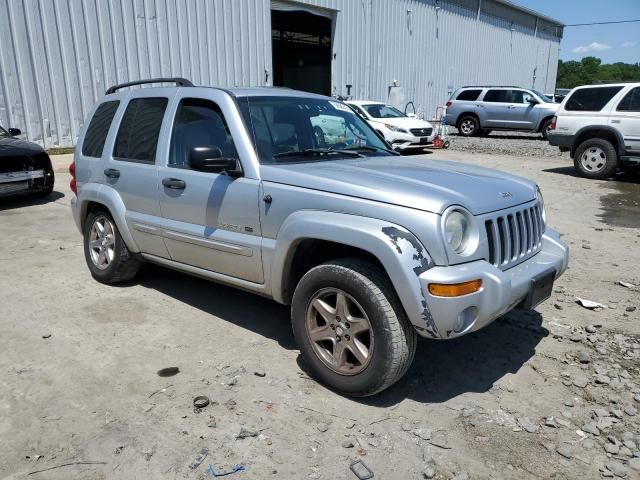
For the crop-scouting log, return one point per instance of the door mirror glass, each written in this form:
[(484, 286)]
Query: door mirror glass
[(209, 159), (14, 132)]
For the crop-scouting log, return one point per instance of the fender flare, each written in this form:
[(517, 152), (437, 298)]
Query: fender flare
[(616, 133), (102, 194), (401, 254)]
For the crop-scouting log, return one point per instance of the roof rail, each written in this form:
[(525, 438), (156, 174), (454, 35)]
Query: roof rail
[(181, 82), (491, 86)]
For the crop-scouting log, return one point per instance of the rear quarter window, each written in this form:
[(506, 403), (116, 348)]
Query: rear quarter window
[(98, 129), (469, 95), (631, 101), (590, 99), (137, 138)]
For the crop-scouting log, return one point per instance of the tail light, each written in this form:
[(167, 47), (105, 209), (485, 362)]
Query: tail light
[(448, 103), (72, 183), (553, 123)]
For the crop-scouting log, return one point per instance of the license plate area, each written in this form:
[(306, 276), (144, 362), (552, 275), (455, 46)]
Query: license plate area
[(540, 289), (424, 141)]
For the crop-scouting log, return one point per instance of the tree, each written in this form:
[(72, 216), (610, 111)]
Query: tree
[(590, 70)]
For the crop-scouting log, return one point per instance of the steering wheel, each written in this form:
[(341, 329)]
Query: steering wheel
[(319, 134)]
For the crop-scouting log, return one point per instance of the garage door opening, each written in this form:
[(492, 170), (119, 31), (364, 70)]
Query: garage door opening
[(301, 49)]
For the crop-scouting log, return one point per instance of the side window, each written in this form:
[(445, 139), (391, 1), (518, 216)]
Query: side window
[(516, 96), (137, 138), (590, 99), (526, 96), (98, 129), (631, 101), (199, 123), (469, 95), (497, 96)]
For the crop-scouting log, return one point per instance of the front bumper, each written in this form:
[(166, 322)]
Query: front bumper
[(25, 182), (405, 141), (501, 291)]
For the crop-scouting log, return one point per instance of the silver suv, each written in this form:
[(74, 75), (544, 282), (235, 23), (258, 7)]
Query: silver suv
[(479, 110), (294, 197)]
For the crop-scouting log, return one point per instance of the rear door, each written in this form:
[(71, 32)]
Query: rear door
[(625, 118), (494, 104), (131, 168), (211, 220)]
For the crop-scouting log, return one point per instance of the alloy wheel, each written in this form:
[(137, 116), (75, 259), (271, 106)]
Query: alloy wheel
[(593, 159), (102, 242), (340, 331)]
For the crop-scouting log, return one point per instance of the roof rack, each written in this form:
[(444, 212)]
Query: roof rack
[(491, 86), (181, 82)]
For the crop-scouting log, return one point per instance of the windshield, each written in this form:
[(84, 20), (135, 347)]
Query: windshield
[(377, 110), (543, 97), (299, 129)]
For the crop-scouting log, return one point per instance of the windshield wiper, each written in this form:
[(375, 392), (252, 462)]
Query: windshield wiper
[(370, 148), (311, 152)]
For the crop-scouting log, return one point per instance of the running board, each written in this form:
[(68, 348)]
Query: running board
[(630, 160)]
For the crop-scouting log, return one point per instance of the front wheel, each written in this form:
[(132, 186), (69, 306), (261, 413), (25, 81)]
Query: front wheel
[(595, 158), (351, 331), (107, 256)]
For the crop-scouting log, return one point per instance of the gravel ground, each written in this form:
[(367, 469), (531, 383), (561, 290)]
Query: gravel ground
[(522, 144), (97, 382)]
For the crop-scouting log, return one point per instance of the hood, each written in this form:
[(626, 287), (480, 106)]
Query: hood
[(404, 122), (10, 146), (428, 185)]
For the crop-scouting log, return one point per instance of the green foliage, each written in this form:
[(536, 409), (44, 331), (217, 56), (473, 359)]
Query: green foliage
[(590, 70)]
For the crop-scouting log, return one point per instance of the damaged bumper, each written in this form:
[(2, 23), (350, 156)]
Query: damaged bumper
[(501, 291)]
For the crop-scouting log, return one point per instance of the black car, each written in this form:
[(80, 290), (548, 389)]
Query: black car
[(24, 166)]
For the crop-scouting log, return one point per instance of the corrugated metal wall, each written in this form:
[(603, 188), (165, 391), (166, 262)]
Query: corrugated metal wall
[(58, 56)]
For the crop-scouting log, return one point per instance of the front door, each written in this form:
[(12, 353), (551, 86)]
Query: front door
[(211, 220), (625, 118)]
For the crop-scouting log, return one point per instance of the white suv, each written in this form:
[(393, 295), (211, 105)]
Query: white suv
[(600, 126)]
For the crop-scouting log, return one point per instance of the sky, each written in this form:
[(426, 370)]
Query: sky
[(610, 43)]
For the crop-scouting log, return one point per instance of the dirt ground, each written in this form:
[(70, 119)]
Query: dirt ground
[(103, 377)]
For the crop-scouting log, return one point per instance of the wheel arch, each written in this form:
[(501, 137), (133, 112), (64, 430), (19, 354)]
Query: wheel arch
[(396, 250), (599, 131), (544, 119)]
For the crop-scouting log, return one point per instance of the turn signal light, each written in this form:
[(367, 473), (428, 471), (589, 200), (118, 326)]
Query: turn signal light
[(454, 289)]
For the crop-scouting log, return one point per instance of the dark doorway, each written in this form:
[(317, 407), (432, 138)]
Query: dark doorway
[(301, 46)]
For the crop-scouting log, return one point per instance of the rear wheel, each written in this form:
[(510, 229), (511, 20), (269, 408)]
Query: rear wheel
[(595, 158), (350, 329), (545, 128), (107, 256), (468, 126)]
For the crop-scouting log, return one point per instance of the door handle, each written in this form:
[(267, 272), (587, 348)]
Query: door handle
[(174, 183), (511, 107), (112, 173)]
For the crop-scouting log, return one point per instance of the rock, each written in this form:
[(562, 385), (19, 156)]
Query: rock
[(322, 427), (406, 427), (630, 444), (588, 444), (551, 422), (46, 335), (429, 472), (549, 446), (565, 450), (631, 309), (461, 476), (580, 381), (602, 380), (591, 329), (576, 337), (617, 468), (244, 433), (591, 428), (631, 411), (616, 413), (558, 306), (527, 424), (233, 381), (634, 464), (440, 440), (626, 452), (347, 444), (602, 350), (583, 357), (611, 448), (586, 246), (601, 412), (569, 403), (605, 423), (259, 373)]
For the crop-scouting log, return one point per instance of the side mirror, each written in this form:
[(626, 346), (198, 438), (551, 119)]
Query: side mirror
[(14, 132), (533, 101), (210, 159), (412, 115)]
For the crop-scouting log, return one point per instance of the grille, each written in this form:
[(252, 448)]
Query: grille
[(421, 132), (14, 187), (514, 236), (14, 163)]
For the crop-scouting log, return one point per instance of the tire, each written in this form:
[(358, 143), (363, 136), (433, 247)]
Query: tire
[(117, 264), (595, 158), (468, 126), (544, 128), (391, 339)]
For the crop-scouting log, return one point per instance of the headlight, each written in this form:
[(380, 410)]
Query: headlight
[(541, 202), (456, 228), (393, 128)]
